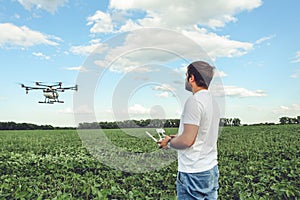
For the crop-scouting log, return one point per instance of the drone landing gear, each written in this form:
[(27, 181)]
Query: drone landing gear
[(57, 101), (49, 102)]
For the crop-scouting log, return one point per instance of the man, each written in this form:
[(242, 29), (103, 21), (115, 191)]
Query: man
[(197, 137)]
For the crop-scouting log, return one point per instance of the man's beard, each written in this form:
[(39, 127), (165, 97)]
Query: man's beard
[(188, 86)]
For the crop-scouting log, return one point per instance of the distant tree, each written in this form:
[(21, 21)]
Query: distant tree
[(222, 122), (86, 125), (144, 123), (230, 122), (283, 120), (289, 120), (269, 123), (292, 120), (175, 122), (236, 122)]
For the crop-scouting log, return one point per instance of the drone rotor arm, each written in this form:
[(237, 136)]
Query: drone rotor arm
[(69, 88), (31, 88)]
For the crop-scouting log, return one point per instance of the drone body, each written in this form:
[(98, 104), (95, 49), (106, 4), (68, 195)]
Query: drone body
[(50, 91)]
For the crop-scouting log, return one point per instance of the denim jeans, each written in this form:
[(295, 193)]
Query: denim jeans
[(202, 185)]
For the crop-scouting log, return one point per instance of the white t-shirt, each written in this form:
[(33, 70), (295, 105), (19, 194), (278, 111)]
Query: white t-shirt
[(200, 110)]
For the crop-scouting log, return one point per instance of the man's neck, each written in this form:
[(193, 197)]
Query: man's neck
[(197, 89)]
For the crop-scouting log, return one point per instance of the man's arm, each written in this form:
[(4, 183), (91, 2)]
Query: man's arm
[(183, 141)]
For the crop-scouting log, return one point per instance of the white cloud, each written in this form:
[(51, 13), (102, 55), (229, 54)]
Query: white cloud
[(162, 95), (12, 35), (220, 74), (101, 22), (84, 109), (149, 46), (295, 75), (263, 39), (183, 17), (48, 5), (218, 46), (138, 50), (83, 50), (138, 109), (181, 70), (88, 49), (80, 68), (288, 110), (235, 91), (164, 88), (296, 107), (214, 45), (101, 63), (129, 26), (66, 111), (122, 65), (41, 55), (181, 13), (296, 58)]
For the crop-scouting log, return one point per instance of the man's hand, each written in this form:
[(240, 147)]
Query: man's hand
[(164, 142)]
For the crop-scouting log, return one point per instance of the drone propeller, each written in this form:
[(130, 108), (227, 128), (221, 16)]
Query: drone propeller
[(38, 82), (21, 84)]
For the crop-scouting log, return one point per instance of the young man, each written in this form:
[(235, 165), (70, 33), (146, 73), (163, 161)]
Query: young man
[(197, 137)]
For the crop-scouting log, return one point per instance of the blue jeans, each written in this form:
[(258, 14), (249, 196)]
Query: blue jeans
[(202, 185)]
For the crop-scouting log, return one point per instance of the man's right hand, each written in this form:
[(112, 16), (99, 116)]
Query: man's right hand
[(164, 142)]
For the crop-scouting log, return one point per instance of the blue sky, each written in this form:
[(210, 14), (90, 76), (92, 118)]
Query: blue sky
[(253, 44)]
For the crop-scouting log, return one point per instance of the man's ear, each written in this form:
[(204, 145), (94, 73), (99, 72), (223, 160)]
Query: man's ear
[(192, 78)]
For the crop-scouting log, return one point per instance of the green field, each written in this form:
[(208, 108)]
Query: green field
[(255, 162)]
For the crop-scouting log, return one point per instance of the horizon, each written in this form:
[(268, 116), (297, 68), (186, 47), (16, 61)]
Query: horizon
[(75, 126)]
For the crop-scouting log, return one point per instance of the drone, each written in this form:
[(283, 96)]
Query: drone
[(50, 91)]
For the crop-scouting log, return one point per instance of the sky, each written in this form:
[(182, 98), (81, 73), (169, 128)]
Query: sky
[(129, 57)]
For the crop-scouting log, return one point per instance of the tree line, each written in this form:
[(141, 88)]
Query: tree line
[(28, 126), (148, 123), (172, 123)]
